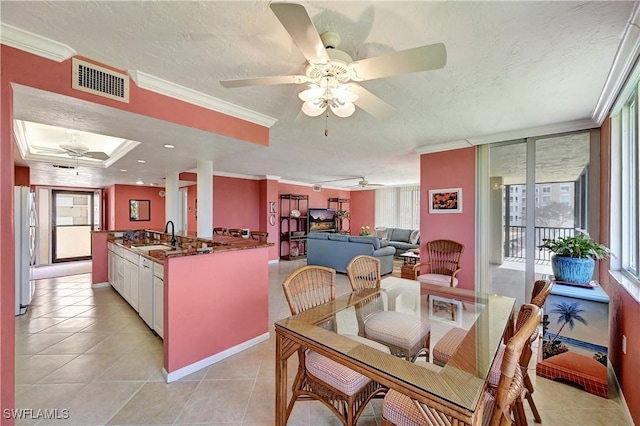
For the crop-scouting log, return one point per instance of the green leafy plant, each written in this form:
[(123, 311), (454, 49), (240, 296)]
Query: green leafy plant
[(578, 246), (344, 214)]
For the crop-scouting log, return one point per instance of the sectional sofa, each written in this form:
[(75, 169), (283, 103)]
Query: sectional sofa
[(336, 250), (401, 239)]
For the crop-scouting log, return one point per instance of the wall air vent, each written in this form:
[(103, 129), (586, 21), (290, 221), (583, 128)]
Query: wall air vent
[(60, 166), (100, 81), (317, 188)]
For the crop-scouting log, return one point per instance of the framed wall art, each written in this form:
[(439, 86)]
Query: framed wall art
[(447, 200), (445, 310)]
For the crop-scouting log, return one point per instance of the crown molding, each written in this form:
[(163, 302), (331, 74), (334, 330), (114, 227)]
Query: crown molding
[(550, 129), (270, 177), (167, 88), (33, 43), (623, 62)]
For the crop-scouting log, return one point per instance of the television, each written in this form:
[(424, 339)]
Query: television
[(322, 220)]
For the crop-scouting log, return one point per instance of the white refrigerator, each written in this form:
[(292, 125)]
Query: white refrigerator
[(25, 237)]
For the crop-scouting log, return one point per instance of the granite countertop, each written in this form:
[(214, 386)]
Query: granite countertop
[(186, 246)]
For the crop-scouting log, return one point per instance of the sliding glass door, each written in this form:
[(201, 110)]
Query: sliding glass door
[(538, 188), (72, 222)]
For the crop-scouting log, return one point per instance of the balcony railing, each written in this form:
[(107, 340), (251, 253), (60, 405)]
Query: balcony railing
[(515, 241)]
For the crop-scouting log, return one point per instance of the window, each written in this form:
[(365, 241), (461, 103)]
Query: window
[(546, 189), (398, 207), (626, 187), (546, 199), (564, 188), (564, 198)]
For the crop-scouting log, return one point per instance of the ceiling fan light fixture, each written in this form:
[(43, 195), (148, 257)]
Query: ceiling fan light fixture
[(312, 109), (344, 110)]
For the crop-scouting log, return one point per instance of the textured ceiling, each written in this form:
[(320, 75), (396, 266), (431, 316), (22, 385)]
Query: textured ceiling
[(511, 65)]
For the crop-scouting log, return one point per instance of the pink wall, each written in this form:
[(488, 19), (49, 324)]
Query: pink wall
[(206, 296), (99, 258), (192, 224), (624, 311), (269, 193), (363, 209), (235, 202), (109, 207), (451, 169), (124, 193), (22, 176), (7, 245), (316, 198)]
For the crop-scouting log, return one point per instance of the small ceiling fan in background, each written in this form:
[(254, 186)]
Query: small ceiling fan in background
[(73, 149), (331, 74), (362, 182)]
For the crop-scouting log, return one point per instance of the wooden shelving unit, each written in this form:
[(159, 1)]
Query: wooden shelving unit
[(343, 224), (293, 229)]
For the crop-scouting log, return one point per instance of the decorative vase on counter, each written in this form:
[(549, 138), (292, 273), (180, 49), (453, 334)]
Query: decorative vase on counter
[(573, 269)]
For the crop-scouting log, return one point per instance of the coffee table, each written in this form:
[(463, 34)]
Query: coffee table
[(410, 258)]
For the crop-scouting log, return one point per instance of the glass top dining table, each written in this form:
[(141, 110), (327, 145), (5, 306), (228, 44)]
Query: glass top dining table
[(456, 386)]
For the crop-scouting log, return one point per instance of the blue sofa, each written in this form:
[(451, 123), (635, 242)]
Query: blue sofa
[(401, 239), (336, 250)]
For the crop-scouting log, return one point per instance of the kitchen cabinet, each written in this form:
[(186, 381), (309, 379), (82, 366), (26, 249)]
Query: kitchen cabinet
[(145, 290), (111, 265), (130, 293), (158, 299)]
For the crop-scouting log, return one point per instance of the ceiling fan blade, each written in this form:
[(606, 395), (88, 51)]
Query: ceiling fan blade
[(295, 19), (97, 155), (425, 58), (265, 81), (371, 103), (48, 150)]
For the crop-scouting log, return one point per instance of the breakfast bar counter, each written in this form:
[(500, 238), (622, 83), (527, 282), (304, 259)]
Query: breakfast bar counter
[(202, 289)]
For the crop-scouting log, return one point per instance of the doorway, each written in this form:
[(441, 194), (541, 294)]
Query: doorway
[(538, 188), (73, 217)]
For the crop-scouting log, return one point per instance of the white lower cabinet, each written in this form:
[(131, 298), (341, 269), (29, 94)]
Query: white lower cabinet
[(131, 278), (158, 300), (145, 290)]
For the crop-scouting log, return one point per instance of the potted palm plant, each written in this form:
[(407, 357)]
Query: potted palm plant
[(574, 257)]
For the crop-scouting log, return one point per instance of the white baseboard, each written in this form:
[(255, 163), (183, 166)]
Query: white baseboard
[(613, 379), (274, 261), (100, 285), (199, 365)]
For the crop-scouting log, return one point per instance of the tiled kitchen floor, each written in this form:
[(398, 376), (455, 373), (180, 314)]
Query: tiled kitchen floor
[(85, 350)]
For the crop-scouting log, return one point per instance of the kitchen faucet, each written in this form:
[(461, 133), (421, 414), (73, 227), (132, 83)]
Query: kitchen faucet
[(173, 233)]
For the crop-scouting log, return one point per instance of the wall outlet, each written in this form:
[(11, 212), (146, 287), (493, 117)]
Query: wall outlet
[(624, 344)]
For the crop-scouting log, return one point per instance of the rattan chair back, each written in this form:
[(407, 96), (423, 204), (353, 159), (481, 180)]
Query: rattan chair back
[(220, 231), (364, 272), (510, 387), (259, 235), (541, 290), (444, 256), (235, 232), (308, 287)]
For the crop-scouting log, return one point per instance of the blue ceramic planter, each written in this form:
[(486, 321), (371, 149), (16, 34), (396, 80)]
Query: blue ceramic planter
[(572, 270)]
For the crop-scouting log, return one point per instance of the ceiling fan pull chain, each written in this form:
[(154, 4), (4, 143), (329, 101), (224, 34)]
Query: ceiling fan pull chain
[(326, 123)]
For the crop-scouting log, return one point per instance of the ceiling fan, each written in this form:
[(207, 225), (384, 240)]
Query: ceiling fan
[(362, 182), (73, 150), (331, 74)]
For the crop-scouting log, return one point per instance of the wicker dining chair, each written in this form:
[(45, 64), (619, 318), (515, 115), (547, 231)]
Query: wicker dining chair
[(344, 391), (502, 408), (364, 272), (407, 336), (447, 345), (235, 232), (541, 290), (443, 263), (220, 231), (260, 235)]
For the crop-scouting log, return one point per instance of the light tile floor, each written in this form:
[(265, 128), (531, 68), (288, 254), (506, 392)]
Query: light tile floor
[(87, 351)]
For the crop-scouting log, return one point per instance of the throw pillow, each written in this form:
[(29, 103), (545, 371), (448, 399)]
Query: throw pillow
[(381, 232), (414, 237)]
